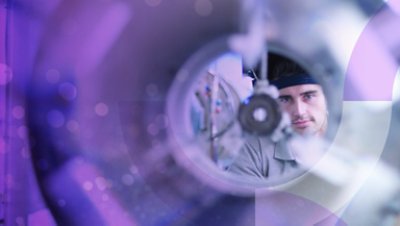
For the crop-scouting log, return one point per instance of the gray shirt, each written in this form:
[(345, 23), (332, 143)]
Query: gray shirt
[(259, 158)]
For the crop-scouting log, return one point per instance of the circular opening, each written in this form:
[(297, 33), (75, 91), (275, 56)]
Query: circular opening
[(227, 146), (260, 114)]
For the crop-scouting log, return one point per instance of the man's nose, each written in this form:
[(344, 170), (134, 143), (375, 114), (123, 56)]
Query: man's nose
[(298, 108)]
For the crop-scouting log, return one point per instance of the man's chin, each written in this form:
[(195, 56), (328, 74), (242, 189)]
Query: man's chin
[(305, 131)]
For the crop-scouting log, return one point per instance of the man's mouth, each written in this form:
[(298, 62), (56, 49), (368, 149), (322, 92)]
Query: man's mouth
[(301, 123)]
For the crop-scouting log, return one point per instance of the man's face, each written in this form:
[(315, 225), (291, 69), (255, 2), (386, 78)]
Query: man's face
[(306, 106)]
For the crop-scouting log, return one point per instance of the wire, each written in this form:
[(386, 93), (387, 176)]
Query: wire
[(264, 65)]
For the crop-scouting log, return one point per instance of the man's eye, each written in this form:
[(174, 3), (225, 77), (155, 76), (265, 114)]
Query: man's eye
[(309, 96), (283, 99)]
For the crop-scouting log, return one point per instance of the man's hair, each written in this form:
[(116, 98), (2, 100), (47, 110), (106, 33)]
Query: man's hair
[(282, 72), (285, 68), (286, 73)]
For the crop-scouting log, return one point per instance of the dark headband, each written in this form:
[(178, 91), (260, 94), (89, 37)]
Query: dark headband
[(298, 79)]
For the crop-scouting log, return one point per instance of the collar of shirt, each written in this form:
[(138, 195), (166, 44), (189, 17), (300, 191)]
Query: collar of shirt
[(282, 151)]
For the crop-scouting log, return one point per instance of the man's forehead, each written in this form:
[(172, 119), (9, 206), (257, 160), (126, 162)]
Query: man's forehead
[(300, 89)]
